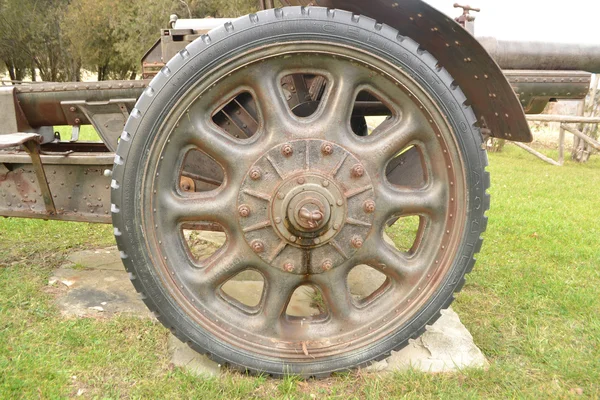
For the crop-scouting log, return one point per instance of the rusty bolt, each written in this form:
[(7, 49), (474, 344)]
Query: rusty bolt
[(369, 206), (327, 148), (255, 173), (287, 150), (357, 242), (327, 265), (358, 170), (77, 121), (244, 210), (186, 187), (289, 267), (258, 246), (72, 109)]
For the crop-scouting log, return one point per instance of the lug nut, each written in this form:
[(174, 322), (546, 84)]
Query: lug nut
[(357, 242), (358, 170), (255, 174), (369, 206), (287, 150), (327, 265), (244, 210), (289, 267), (327, 148), (258, 246)]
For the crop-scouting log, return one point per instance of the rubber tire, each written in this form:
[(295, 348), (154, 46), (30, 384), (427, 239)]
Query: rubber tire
[(270, 26)]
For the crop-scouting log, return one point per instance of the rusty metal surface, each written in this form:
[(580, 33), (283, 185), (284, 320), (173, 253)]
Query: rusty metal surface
[(80, 192), (536, 88), (32, 147), (42, 104), (478, 75)]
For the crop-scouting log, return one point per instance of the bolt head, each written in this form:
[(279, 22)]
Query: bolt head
[(255, 174), (277, 220), (280, 196), (258, 246), (327, 148), (72, 109), (293, 238), (340, 202), (289, 267), (287, 150), (327, 265), (244, 210), (369, 206), (358, 170), (357, 242), (301, 181), (317, 241), (325, 183)]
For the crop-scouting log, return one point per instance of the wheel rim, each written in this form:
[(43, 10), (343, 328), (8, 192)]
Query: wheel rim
[(321, 155)]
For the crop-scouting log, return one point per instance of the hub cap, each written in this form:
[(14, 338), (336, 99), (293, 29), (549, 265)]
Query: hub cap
[(306, 207)]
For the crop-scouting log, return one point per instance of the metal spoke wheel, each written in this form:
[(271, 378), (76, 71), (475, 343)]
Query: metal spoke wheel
[(251, 130)]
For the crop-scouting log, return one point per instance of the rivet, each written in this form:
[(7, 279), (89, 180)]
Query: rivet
[(317, 241), (287, 150), (301, 181), (277, 220), (336, 227), (293, 238), (289, 267), (340, 202), (327, 148), (280, 196), (257, 246), (327, 265), (369, 206), (244, 210), (358, 170), (325, 183), (255, 173), (357, 242)]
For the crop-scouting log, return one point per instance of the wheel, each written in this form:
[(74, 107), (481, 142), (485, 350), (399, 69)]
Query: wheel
[(214, 144)]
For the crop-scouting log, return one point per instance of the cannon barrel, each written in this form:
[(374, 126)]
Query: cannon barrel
[(543, 55)]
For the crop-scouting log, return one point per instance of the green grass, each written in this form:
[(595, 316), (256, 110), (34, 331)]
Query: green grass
[(87, 133), (532, 304)]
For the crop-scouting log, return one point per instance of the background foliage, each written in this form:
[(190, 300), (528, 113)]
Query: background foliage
[(55, 40)]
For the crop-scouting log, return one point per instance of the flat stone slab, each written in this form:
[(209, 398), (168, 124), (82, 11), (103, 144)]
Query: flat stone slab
[(94, 283)]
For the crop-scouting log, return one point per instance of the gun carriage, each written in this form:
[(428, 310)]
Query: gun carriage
[(256, 127)]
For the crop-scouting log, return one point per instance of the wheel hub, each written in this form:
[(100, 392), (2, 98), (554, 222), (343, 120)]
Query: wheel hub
[(302, 206)]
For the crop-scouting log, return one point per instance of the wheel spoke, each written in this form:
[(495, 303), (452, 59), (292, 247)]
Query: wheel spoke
[(397, 265), (201, 132), (215, 270), (392, 137), (334, 286), (395, 201), (213, 206), (271, 102), (279, 287), (336, 109)]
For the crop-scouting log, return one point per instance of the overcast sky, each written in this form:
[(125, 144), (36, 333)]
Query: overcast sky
[(567, 21)]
